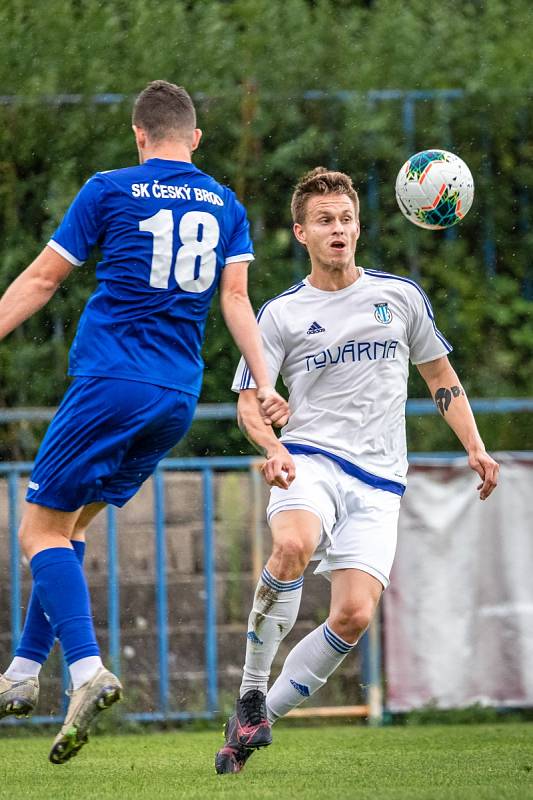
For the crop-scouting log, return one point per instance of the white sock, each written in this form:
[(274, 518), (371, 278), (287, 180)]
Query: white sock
[(22, 668), (83, 670), (306, 669), (274, 611)]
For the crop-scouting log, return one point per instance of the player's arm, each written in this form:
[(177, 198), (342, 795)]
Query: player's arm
[(239, 317), (278, 469), (452, 402), (32, 289)]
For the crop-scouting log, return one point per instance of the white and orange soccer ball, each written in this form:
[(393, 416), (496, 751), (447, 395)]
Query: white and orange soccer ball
[(434, 189)]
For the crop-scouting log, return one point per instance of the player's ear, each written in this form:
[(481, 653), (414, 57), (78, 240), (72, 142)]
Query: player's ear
[(299, 233), (197, 135), (140, 136)]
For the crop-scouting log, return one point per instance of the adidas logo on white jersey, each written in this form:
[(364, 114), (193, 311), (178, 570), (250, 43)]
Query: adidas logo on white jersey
[(315, 328)]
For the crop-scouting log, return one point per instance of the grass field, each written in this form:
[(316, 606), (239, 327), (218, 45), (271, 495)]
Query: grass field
[(454, 762)]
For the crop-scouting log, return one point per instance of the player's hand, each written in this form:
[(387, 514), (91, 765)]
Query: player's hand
[(279, 469), (487, 469), (274, 408)]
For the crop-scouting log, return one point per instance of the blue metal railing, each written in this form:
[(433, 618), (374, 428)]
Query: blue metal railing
[(13, 472), (113, 590), (207, 466), (14, 550), (161, 591), (419, 406), (211, 660)]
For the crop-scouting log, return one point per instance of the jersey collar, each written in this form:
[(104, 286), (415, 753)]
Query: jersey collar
[(353, 287), (167, 162)]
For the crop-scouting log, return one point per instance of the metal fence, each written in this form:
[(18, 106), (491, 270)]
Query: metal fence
[(207, 467), (15, 472), (420, 406), (370, 644)]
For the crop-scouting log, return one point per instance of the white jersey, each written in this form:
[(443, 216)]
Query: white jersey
[(344, 358)]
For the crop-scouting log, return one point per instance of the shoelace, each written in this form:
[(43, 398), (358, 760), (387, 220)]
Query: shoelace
[(253, 706)]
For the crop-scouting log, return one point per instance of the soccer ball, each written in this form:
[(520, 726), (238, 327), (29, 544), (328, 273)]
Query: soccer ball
[(434, 189)]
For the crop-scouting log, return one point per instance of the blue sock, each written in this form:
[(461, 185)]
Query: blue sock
[(37, 635), (62, 591)]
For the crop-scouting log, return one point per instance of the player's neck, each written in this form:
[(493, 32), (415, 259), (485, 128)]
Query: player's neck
[(331, 280), (168, 152)]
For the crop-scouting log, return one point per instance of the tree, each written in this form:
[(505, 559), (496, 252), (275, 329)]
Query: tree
[(280, 88)]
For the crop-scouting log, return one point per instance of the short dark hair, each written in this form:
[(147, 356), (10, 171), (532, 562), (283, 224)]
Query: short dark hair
[(321, 181), (164, 111)]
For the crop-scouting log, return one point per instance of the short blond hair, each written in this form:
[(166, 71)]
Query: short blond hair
[(321, 181)]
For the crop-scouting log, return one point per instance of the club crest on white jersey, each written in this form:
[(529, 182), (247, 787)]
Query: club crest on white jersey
[(382, 313)]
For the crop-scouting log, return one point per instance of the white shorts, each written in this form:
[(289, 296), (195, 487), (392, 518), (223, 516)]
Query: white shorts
[(359, 522)]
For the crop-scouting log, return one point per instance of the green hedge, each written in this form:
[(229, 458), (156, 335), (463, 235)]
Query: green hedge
[(252, 66)]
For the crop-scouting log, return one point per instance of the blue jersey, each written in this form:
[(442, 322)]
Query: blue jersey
[(165, 230)]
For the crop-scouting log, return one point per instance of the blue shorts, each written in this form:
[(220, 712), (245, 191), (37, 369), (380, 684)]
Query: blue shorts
[(105, 440)]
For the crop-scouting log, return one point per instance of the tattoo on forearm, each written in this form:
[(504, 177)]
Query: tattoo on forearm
[(444, 396)]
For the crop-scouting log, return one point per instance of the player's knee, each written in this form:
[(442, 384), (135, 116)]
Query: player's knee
[(40, 529), (350, 621), (291, 557), (26, 537)]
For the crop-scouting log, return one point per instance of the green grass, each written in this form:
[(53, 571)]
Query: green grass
[(452, 762)]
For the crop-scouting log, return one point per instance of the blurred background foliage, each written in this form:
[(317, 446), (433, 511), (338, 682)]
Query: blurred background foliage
[(281, 86)]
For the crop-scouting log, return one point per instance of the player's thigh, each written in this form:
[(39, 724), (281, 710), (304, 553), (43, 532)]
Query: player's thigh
[(103, 426), (85, 517), (42, 519), (167, 426), (41, 527), (364, 536), (86, 441), (313, 490)]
